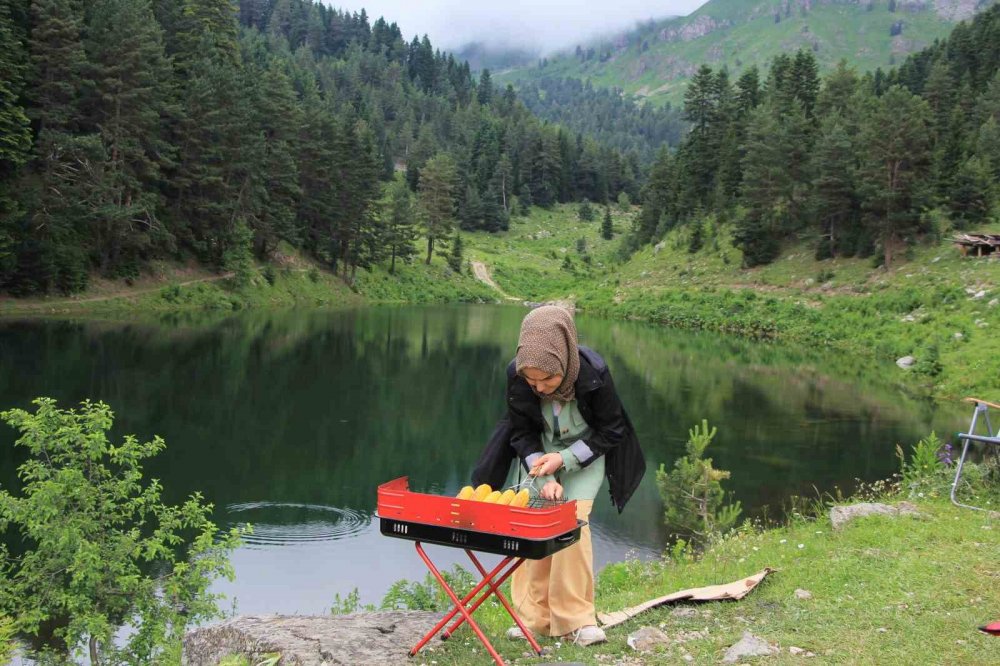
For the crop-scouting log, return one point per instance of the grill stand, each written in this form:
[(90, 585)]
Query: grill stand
[(492, 579)]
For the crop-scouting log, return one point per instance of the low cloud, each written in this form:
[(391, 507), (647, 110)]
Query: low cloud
[(544, 25)]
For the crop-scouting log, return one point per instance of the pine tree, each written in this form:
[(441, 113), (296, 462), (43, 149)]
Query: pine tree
[(280, 119), (207, 29), (988, 146), (607, 229), (974, 194), (400, 225), (896, 141), (60, 178), (131, 79), (835, 199), (437, 198), (15, 137), (455, 255), (484, 93)]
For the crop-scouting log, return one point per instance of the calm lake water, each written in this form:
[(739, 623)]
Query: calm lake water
[(290, 420)]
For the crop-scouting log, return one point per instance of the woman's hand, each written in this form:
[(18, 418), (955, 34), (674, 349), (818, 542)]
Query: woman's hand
[(552, 491), (548, 464)]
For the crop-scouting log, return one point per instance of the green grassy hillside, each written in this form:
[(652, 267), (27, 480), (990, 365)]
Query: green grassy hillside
[(934, 305), (656, 60)]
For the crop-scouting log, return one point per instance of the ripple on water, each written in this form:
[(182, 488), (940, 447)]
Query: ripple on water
[(287, 524)]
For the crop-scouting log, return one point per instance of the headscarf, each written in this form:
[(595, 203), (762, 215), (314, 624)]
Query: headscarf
[(548, 342)]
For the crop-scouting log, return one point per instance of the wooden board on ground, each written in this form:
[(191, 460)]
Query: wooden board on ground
[(728, 591)]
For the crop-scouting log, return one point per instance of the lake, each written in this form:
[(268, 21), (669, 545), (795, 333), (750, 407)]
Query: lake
[(289, 420)]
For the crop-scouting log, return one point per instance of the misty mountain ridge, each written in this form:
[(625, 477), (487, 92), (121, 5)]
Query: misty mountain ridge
[(656, 59)]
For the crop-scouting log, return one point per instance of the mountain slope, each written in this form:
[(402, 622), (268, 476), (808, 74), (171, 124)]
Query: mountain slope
[(656, 60)]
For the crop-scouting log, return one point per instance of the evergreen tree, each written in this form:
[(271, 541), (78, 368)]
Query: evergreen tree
[(131, 82), (607, 229), (974, 194), (400, 225), (455, 255), (484, 93), (281, 121), (437, 198), (896, 141), (835, 200), (15, 137)]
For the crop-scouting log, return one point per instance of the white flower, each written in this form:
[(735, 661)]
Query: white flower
[(802, 545)]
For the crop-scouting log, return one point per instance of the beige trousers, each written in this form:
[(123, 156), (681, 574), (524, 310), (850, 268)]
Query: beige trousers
[(555, 596)]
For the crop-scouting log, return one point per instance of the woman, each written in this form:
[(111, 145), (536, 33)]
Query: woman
[(566, 424)]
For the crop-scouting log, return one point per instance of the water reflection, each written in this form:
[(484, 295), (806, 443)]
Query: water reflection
[(290, 420)]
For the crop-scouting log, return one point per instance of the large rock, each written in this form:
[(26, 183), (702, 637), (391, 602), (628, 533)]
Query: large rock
[(841, 515), (363, 638), (748, 646), (647, 639), (905, 361)]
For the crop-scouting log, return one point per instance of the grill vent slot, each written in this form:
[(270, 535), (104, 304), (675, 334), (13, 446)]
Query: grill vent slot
[(458, 537)]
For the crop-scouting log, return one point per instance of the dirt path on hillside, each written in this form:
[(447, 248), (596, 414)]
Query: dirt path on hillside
[(483, 275)]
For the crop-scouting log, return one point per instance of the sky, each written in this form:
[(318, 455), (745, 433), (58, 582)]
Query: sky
[(544, 25)]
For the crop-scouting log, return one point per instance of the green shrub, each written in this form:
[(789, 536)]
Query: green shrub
[(925, 472), (6, 639), (101, 551), (428, 595), (692, 492), (349, 604), (270, 274)]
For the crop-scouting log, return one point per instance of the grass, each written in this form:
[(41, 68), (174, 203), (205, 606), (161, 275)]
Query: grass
[(883, 590), (929, 304), (745, 36)]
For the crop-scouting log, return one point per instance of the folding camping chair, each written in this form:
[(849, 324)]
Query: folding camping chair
[(980, 407)]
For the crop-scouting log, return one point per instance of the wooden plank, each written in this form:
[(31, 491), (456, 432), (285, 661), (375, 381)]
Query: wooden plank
[(988, 404)]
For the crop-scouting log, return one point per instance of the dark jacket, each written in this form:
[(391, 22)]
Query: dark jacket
[(518, 433)]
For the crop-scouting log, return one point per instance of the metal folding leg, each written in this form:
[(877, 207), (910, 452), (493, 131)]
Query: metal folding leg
[(493, 580), (981, 407)]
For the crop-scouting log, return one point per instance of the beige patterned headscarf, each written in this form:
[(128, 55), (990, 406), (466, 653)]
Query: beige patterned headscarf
[(548, 342)]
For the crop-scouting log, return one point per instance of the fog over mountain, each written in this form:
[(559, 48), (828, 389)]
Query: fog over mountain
[(542, 25)]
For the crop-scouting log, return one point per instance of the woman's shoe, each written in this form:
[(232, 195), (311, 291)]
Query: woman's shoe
[(588, 635)]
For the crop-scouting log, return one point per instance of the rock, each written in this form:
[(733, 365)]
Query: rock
[(994, 302), (683, 612), (841, 515), (979, 294), (647, 639), (687, 657), (906, 361), (748, 646), (803, 594), (361, 638), (958, 336), (795, 650), (659, 246), (908, 318)]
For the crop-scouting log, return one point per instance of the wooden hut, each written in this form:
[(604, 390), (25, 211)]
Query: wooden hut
[(978, 245)]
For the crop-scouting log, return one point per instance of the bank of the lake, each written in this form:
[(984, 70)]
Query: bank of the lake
[(291, 281), (880, 591), (934, 305)]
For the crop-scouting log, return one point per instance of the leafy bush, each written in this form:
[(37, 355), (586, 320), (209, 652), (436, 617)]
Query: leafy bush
[(925, 472), (692, 492), (100, 549), (6, 639), (428, 595), (349, 604)]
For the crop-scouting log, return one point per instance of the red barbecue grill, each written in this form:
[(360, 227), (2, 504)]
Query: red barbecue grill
[(518, 533)]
